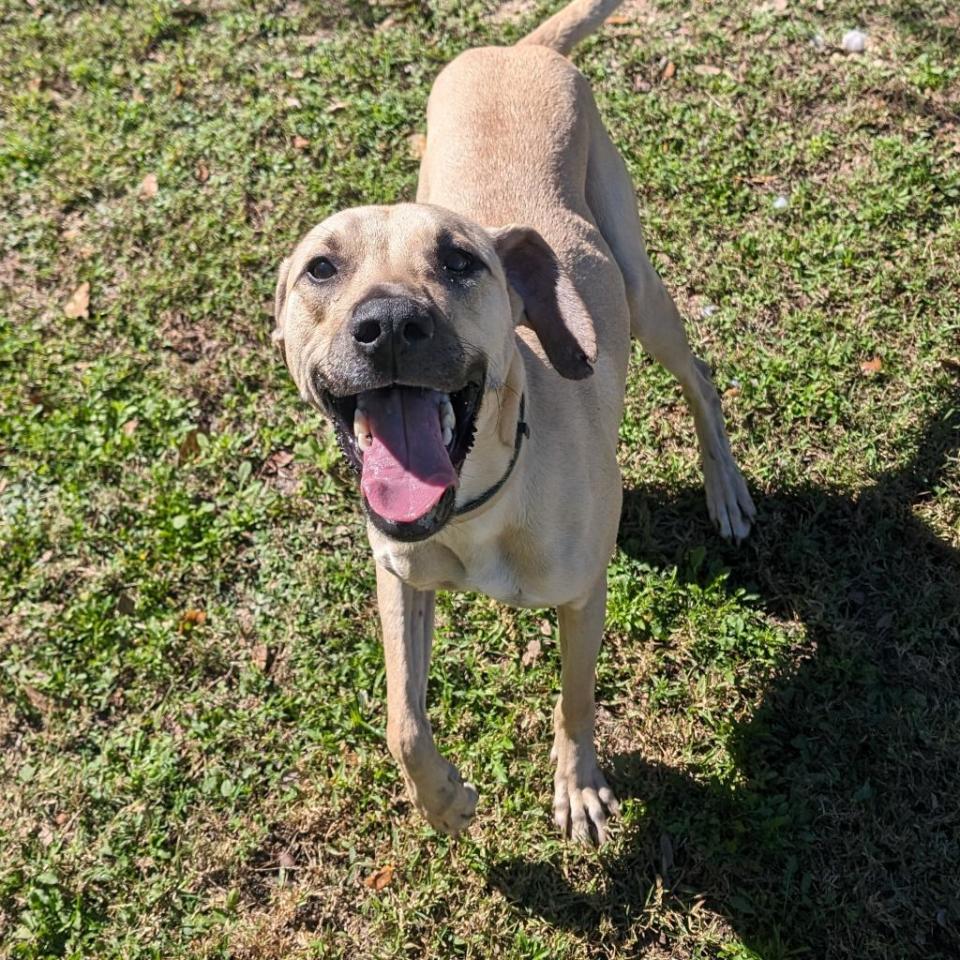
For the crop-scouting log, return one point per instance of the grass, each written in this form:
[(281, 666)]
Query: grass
[(192, 690)]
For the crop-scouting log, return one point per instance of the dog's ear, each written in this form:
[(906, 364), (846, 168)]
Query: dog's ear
[(279, 301), (551, 304)]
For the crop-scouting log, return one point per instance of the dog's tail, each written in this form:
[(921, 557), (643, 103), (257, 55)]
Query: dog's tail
[(564, 30)]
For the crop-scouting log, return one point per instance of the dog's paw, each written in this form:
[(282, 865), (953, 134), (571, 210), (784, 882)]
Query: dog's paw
[(728, 500), (583, 802), (447, 802)]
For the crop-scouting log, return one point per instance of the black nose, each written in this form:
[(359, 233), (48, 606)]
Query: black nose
[(385, 328)]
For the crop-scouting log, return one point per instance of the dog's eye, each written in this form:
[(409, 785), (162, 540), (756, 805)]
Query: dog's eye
[(320, 268), (457, 261)]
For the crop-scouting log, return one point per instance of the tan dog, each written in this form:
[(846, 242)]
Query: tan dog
[(471, 350)]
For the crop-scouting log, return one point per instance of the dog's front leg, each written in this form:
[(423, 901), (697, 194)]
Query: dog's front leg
[(582, 800), (434, 785)]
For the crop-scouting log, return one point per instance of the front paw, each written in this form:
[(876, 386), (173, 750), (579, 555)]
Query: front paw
[(728, 501), (583, 802), (446, 800)]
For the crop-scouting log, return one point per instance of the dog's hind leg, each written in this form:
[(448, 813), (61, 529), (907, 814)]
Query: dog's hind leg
[(582, 800), (656, 323)]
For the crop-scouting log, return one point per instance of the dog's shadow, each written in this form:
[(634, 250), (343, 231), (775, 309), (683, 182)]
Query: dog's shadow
[(841, 837)]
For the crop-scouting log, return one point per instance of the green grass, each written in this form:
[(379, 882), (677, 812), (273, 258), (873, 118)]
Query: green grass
[(192, 720)]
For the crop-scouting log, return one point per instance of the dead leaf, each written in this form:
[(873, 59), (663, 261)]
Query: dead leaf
[(669, 69), (38, 701), (416, 145), (617, 19), (190, 619), (45, 835), (201, 172), (732, 392), (380, 878), (129, 428), (870, 367), (126, 605), (260, 655), (641, 85), (532, 653), (300, 143), (707, 70), (189, 447), (148, 187), (78, 306), (546, 628), (337, 105), (286, 861), (276, 461)]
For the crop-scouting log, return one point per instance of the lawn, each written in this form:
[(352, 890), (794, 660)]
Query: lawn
[(192, 690)]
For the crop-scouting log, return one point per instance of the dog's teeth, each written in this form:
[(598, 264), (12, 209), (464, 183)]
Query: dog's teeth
[(447, 436), (447, 417), (361, 429)]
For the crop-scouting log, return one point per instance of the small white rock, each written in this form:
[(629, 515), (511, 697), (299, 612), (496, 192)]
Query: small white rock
[(708, 311), (781, 202), (854, 41), (818, 42)]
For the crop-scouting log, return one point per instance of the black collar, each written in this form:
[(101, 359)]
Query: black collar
[(523, 430)]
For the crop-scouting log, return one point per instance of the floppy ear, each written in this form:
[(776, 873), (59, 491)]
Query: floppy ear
[(553, 309), (279, 300)]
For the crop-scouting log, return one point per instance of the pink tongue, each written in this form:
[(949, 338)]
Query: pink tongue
[(406, 469)]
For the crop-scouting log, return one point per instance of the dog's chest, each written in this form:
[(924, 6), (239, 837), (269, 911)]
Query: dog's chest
[(496, 568)]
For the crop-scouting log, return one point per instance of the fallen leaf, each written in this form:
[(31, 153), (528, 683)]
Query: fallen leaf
[(669, 69), (286, 861), (125, 605), (300, 143), (276, 461), (336, 106), (416, 145), (201, 172), (190, 619), (189, 447), (129, 428), (617, 19), (260, 655), (532, 653), (546, 628), (732, 392), (870, 367), (148, 187), (379, 878), (641, 85), (38, 701), (78, 306), (707, 70)]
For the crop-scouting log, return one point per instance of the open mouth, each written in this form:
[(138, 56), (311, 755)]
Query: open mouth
[(408, 444)]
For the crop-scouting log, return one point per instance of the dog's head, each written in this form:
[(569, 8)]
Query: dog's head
[(397, 322)]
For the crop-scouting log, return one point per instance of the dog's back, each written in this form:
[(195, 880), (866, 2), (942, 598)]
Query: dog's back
[(510, 133)]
